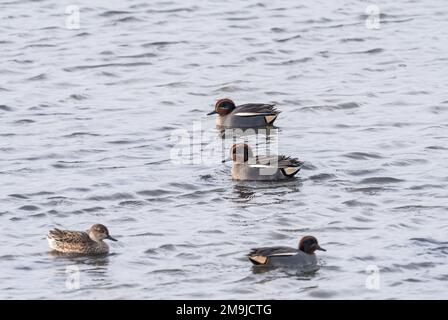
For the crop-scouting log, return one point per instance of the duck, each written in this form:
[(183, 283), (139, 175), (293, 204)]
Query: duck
[(246, 166), (80, 242), (302, 257), (250, 115)]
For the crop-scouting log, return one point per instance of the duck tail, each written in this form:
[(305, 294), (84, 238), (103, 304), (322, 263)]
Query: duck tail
[(54, 234), (258, 260)]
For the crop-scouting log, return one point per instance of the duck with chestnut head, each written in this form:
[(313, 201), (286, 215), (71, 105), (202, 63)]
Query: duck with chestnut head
[(302, 257), (246, 166), (250, 115), (80, 242)]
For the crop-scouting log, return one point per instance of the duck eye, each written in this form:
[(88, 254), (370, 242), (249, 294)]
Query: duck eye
[(309, 242), (225, 105)]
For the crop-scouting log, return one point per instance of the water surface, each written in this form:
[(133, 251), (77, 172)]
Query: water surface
[(85, 123)]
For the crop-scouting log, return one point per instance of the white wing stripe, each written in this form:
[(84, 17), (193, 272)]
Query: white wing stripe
[(284, 254), (251, 114)]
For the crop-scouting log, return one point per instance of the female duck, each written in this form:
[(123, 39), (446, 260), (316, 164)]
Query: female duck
[(79, 242), (263, 168), (250, 115), (303, 257)]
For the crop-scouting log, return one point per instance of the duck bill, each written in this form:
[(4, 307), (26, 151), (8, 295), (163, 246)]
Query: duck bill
[(320, 248), (210, 113), (110, 238)]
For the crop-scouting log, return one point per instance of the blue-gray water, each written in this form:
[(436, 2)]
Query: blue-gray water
[(85, 123)]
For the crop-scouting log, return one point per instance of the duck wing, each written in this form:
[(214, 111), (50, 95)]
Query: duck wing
[(251, 109), (278, 161), (69, 241), (286, 162), (259, 256), (269, 251), (68, 236)]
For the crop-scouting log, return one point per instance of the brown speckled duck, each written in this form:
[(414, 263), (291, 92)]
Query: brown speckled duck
[(80, 242)]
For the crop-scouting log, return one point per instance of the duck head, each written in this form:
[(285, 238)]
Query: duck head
[(99, 232), (241, 153), (223, 107), (309, 244)]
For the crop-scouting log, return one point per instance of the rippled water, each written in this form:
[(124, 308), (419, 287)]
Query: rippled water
[(86, 118)]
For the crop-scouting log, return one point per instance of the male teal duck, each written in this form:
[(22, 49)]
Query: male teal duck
[(303, 257), (80, 242), (246, 166), (250, 115)]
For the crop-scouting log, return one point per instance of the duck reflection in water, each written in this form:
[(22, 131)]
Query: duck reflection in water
[(78, 270), (246, 191)]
